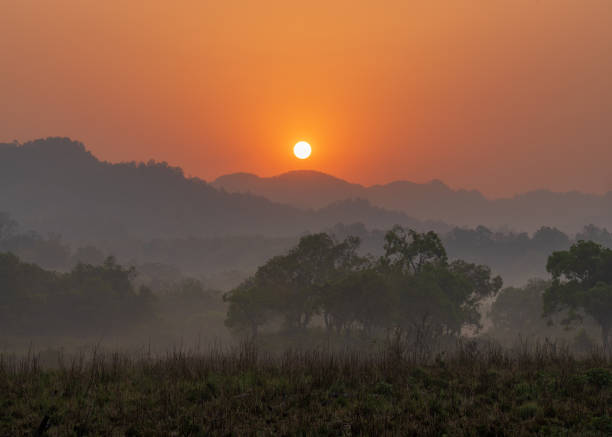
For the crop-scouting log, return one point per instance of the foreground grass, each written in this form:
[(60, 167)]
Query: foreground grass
[(471, 392)]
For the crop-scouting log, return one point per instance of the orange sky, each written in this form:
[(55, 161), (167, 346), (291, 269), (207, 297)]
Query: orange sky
[(503, 96)]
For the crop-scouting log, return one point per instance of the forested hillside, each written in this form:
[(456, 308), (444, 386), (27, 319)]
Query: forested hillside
[(56, 185)]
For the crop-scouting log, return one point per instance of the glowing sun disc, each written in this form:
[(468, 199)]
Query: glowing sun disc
[(302, 150)]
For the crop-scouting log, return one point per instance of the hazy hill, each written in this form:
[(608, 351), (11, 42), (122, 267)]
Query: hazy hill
[(433, 201), (304, 189), (56, 185)]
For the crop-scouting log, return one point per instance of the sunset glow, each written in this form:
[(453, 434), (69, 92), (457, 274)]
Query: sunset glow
[(393, 90), (279, 217)]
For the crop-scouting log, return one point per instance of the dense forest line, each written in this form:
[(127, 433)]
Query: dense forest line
[(322, 286), (84, 296), (412, 290), (415, 293), (93, 248), (222, 262)]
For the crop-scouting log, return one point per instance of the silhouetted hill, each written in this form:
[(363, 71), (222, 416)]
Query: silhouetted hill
[(56, 185), (433, 201), (304, 189)]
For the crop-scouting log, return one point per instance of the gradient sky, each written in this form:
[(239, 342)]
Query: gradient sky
[(502, 96)]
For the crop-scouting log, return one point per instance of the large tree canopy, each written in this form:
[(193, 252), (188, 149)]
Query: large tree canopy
[(89, 299), (431, 293), (412, 287), (582, 281), (292, 285), (517, 311)]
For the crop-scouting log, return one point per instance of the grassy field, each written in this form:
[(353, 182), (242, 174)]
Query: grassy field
[(471, 391)]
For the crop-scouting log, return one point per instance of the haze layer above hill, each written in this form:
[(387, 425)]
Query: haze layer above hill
[(432, 201)]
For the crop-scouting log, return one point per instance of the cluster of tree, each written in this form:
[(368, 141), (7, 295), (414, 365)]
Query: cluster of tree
[(161, 264), (516, 256), (412, 289), (99, 298), (580, 292), (87, 300), (517, 311), (581, 285), (223, 261), (517, 314), (50, 252), (598, 235)]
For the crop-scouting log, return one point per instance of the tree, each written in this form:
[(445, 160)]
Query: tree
[(104, 296), (86, 300), (431, 294), (50, 252), (20, 283), (596, 234), (407, 251), (581, 281), (249, 309), (412, 287), (472, 284), (550, 238), (294, 285), (518, 311), (109, 278), (359, 297)]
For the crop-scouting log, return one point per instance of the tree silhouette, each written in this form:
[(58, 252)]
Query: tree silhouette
[(581, 280), (411, 288)]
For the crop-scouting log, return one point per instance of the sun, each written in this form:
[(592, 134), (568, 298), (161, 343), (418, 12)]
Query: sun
[(302, 150)]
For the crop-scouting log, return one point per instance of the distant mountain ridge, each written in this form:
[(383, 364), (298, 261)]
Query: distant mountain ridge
[(304, 189), (432, 201), (56, 185)]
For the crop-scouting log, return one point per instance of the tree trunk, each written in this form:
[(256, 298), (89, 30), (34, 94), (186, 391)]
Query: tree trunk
[(605, 334)]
